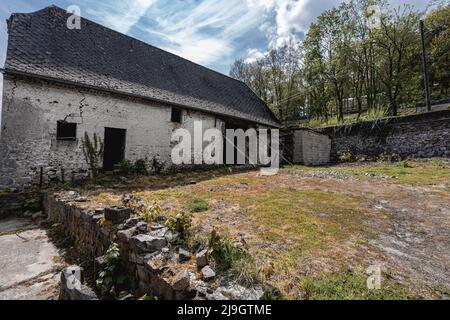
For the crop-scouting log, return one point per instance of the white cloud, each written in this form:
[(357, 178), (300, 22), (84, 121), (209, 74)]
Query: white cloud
[(122, 15), (204, 32), (292, 17), (253, 55)]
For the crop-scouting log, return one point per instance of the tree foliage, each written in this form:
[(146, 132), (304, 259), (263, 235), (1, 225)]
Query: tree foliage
[(347, 63)]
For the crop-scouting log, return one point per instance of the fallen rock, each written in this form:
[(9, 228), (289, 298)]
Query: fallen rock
[(27, 214), (181, 281), (172, 236), (202, 258), (143, 243), (184, 255), (208, 274), (236, 292), (117, 215), (157, 226), (37, 215), (159, 232), (142, 227), (132, 222), (125, 235)]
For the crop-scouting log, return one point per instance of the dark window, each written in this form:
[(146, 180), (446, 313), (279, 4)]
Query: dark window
[(66, 131), (176, 115)]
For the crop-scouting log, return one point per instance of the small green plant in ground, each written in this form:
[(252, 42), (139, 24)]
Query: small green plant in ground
[(181, 223), (389, 157), (112, 280), (156, 165), (232, 258), (93, 152), (197, 205), (404, 164), (349, 285), (140, 167), (376, 114), (137, 204), (34, 203), (345, 156), (126, 167)]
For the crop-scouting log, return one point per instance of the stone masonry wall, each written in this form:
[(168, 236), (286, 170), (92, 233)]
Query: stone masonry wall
[(32, 108), (154, 262), (86, 228), (417, 136)]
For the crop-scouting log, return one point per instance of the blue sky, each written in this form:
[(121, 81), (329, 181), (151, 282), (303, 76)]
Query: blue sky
[(210, 32)]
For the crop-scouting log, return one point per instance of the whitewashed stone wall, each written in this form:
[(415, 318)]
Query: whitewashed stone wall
[(30, 113)]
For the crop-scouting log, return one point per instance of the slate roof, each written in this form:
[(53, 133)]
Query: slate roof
[(40, 44)]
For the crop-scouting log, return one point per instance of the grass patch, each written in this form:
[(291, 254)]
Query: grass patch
[(431, 172), (197, 205), (312, 218), (232, 259), (348, 285)]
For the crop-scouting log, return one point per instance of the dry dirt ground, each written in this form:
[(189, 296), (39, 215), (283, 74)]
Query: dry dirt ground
[(313, 232)]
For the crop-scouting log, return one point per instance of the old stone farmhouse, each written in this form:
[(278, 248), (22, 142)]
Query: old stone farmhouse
[(61, 82)]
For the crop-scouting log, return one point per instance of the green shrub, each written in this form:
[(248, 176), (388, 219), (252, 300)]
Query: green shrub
[(225, 253), (345, 156), (93, 152), (112, 280), (389, 157), (138, 206), (140, 167), (181, 223), (34, 203), (376, 113), (126, 167), (197, 205), (233, 260), (156, 166)]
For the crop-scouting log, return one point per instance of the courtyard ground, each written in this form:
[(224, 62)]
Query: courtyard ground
[(30, 263), (314, 231)]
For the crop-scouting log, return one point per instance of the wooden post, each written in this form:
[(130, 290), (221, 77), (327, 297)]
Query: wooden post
[(41, 176)]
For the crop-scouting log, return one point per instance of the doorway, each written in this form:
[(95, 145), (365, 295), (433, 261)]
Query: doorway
[(114, 148)]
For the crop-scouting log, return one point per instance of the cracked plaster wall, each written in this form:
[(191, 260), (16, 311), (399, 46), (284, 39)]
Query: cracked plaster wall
[(32, 108)]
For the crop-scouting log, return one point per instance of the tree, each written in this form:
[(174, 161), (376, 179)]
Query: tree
[(437, 24), (397, 49), (346, 63)]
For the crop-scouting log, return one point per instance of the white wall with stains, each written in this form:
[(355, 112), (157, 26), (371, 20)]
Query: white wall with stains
[(30, 113)]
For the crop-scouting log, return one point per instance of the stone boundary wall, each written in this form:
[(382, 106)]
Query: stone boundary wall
[(154, 263), (88, 231), (416, 136), (12, 203)]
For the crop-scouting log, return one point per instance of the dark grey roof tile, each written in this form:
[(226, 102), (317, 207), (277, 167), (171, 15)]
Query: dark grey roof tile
[(41, 44)]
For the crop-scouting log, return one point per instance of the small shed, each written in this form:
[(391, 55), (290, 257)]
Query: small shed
[(310, 147)]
